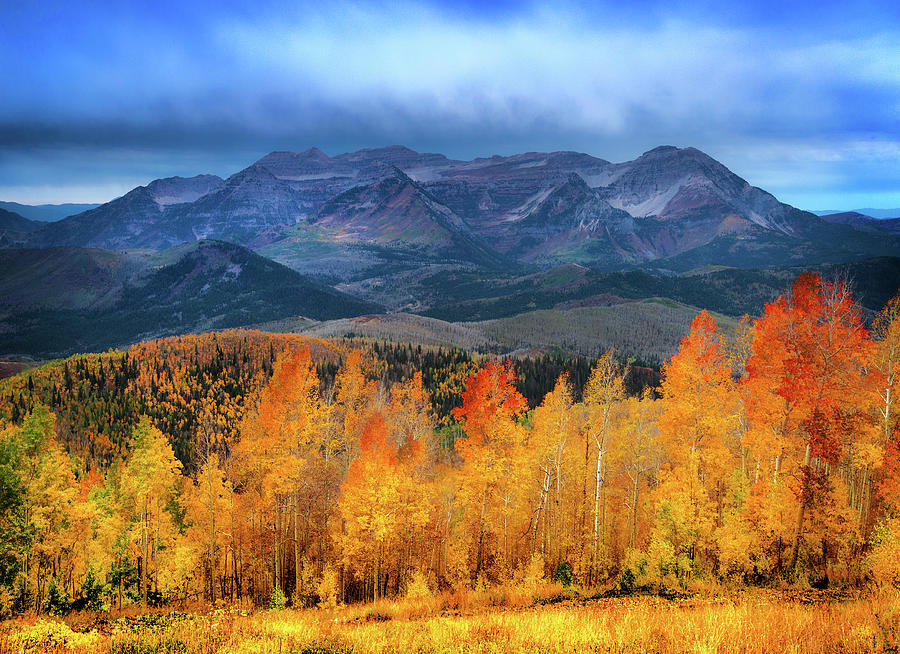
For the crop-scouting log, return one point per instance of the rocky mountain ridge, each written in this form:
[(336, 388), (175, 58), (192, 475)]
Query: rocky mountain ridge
[(664, 203), (379, 223)]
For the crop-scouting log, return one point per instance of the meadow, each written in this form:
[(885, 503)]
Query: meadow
[(495, 621)]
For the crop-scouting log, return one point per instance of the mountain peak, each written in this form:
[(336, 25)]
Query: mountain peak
[(393, 155), (314, 153), (669, 155), (176, 190), (660, 149), (253, 171), (576, 180)]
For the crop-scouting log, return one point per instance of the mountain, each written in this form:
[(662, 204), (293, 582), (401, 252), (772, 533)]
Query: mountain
[(61, 300), (420, 232), (142, 218), (14, 222), (683, 183), (46, 212), (382, 211), (880, 214), (862, 221), (399, 212)]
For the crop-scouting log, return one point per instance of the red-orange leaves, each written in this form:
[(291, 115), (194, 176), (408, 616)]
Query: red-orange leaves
[(374, 443), (490, 402), (827, 345), (809, 355)]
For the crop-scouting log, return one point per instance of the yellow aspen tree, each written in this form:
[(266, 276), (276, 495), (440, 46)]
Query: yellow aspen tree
[(698, 430), (152, 475), (551, 432), (605, 388)]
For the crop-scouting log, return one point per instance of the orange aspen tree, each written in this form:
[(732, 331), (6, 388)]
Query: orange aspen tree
[(490, 450), (278, 443), (411, 424), (697, 426), (369, 504), (809, 354)]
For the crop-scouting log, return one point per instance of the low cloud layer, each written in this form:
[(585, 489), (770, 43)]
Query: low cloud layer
[(102, 101)]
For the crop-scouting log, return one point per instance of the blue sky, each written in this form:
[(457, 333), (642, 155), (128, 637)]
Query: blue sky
[(800, 98)]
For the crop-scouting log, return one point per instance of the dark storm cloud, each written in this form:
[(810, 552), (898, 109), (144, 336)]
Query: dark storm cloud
[(145, 91)]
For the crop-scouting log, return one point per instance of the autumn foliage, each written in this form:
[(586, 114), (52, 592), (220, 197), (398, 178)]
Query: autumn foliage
[(292, 469)]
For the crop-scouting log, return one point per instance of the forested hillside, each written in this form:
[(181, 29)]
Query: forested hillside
[(281, 468)]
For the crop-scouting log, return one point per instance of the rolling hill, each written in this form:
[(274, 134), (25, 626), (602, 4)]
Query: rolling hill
[(87, 299)]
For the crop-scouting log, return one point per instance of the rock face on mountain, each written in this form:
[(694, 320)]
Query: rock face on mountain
[(249, 206), (178, 190), (676, 184), (399, 212), (573, 222), (671, 206)]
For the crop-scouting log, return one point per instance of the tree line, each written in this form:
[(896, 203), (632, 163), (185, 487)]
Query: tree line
[(766, 453)]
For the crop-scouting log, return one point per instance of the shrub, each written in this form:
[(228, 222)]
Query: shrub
[(883, 562), (533, 574), (563, 573), (417, 587), (49, 635), (277, 600), (656, 569), (57, 602), (92, 592), (328, 588)]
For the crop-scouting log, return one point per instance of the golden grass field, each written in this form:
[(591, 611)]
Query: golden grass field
[(751, 621)]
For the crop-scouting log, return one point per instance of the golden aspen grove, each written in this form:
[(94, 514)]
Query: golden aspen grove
[(200, 478)]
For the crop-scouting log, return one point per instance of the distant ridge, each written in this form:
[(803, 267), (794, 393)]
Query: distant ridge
[(533, 209), (873, 213), (46, 212)]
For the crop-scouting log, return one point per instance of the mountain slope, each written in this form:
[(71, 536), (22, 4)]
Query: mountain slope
[(730, 291), (382, 218), (138, 219), (131, 221), (97, 299), (12, 221), (63, 278), (862, 221), (397, 211), (46, 212)]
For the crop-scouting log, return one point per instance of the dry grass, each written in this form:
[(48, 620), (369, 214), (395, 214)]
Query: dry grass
[(465, 623)]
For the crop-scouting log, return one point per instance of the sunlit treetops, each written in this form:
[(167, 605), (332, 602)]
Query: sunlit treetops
[(278, 468)]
